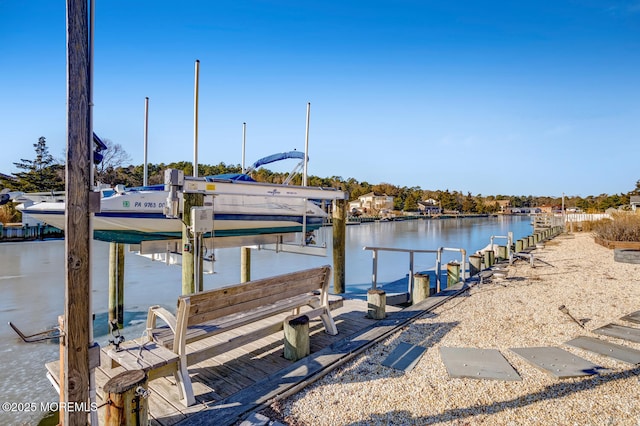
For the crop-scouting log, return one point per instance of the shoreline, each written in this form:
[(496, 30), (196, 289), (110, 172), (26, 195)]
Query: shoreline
[(519, 311)]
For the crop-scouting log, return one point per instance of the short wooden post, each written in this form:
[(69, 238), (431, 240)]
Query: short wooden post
[(421, 287), (531, 242), (245, 264), (116, 283), (339, 221), (296, 337), (502, 253), (519, 245), (125, 402), (475, 264), (489, 258), (376, 304), (453, 273)]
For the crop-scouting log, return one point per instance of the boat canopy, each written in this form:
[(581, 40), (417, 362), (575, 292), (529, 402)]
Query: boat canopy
[(276, 157)]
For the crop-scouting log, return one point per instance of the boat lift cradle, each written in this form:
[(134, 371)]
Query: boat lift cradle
[(169, 250)]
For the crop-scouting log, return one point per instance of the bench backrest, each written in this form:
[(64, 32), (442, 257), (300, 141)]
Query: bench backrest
[(211, 304)]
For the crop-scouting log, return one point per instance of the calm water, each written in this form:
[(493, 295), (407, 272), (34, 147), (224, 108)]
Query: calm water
[(32, 286)]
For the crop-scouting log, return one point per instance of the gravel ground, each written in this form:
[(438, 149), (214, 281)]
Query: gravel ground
[(518, 311)]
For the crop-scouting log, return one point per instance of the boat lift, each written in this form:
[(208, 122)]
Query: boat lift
[(169, 251)]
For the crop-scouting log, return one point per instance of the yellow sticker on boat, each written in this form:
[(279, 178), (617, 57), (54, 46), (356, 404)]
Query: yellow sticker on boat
[(211, 187)]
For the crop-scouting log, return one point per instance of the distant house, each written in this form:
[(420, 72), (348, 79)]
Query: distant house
[(429, 207), (371, 204), (505, 206), (635, 202)]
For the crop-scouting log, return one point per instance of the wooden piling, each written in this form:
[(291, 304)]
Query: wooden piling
[(475, 264), (453, 273), (116, 283), (376, 304), (78, 185), (339, 220), (502, 253), (421, 287), (245, 264), (125, 404), (188, 245), (519, 245), (489, 258), (296, 337)]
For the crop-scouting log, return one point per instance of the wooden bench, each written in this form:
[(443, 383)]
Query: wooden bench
[(194, 333)]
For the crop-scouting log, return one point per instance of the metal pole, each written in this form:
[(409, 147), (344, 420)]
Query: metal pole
[(306, 147), (195, 120), (145, 180), (374, 274), (244, 142)]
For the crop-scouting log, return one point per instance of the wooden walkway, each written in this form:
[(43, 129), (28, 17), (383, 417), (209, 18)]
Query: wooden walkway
[(232, 385)]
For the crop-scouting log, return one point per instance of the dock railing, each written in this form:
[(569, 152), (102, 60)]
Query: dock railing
[(412, 252)]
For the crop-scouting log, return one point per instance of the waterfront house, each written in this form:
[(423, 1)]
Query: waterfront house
[(635, 202), (371, 204), (505, 206), (429, 207)]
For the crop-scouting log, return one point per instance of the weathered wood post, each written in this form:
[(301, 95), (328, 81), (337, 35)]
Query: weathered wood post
[(453, 273), (78, 185), (188, 244), (489, 258), (475, 264), (502, 253), (126, 402), (245, 264), (339, 220), (376, 304), (519, 245), (116, 283), (296, 337), (421, 287)]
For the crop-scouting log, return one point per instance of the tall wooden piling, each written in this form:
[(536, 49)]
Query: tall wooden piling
[(188, 246), (116, 283), (245, 264), (77, 311), (339, 220)]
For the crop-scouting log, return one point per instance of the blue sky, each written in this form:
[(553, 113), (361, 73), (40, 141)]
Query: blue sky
[(487, 97)]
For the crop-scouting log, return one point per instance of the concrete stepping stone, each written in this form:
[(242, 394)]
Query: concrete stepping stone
[(404, 357), (619, 352), (620, 331), (557, 362), (632, 317), (476, 363)]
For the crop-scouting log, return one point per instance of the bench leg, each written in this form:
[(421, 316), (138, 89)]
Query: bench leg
[(329, 324), (184, 384)]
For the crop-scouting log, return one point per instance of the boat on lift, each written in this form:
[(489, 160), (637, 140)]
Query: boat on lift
[(241, 207)]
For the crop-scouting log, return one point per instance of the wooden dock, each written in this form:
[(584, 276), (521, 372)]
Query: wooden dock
[(232, 385)]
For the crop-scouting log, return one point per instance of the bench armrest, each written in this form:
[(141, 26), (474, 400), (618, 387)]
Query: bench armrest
[(159, 312)]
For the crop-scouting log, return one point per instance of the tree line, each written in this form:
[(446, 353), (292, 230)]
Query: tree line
[(44, 174)]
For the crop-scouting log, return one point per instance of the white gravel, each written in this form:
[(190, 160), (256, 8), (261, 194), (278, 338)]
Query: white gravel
[(519, 311)]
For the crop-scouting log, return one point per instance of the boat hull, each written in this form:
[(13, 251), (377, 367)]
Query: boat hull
[(136, 217)]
